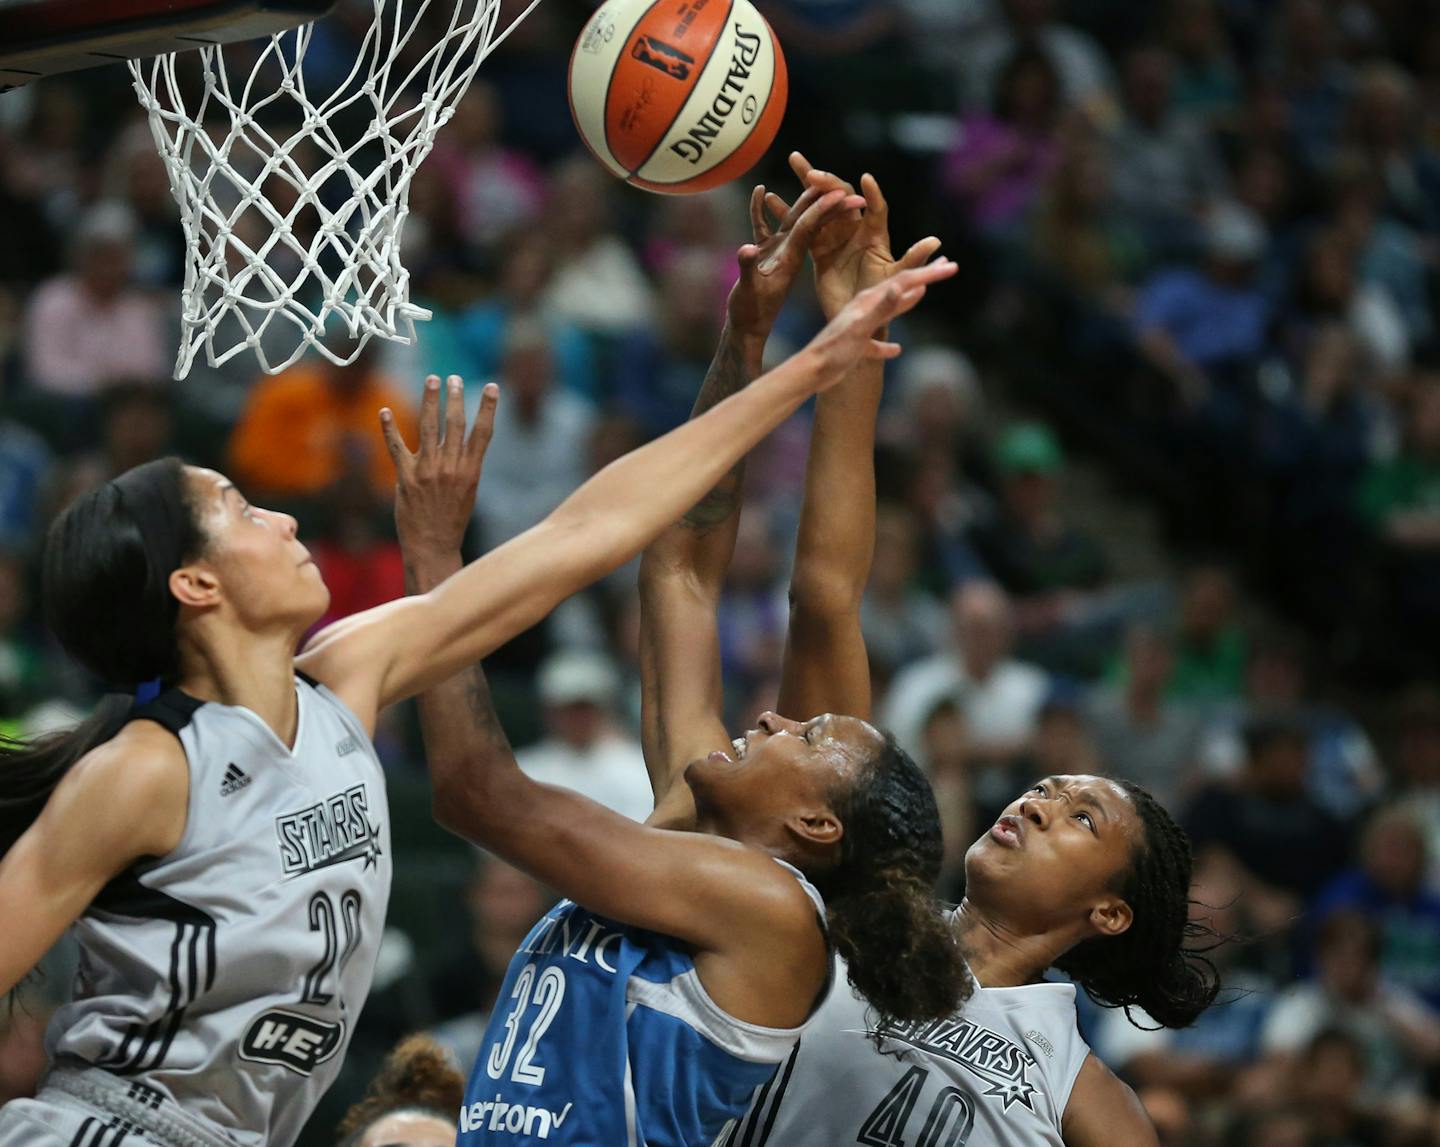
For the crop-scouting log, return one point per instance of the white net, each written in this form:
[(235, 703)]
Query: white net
[(293, 201)]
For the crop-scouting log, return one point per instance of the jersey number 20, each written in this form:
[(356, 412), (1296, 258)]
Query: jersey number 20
[(548, 990)]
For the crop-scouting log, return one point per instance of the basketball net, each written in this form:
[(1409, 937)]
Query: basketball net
[(293, 202)]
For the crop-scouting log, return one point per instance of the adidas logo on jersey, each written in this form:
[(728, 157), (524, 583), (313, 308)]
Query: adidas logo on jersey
[(235, 780), (349, 745)]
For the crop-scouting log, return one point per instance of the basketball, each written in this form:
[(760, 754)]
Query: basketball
[(677, 96)]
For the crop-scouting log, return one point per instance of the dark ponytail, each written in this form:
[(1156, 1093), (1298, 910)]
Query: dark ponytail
[(899, 944), (1159, 963), (107, 565)]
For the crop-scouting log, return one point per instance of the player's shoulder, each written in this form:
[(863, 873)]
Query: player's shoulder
[(137, 782)]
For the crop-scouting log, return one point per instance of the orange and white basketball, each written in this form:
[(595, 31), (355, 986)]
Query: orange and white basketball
[(677, 96)]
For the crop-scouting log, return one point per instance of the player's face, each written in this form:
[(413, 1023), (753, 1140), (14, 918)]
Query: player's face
[(410, 1129), (266, 575), (782, 766), (1056, 853)]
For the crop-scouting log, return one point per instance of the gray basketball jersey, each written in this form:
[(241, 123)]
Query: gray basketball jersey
[(227, 976), (998, 1073)]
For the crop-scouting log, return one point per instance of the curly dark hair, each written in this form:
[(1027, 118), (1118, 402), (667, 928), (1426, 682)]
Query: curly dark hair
[(1159, 962), (418, 1077), (881, 909)]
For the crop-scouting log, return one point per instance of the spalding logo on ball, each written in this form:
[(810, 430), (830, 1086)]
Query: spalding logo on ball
[(677, 95)]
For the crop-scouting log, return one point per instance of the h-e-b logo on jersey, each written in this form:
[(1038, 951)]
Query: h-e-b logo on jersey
[(662, 57), (329, 832), (291, 1040)]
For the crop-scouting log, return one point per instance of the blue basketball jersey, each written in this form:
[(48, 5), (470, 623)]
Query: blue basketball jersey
[(603, 1036)]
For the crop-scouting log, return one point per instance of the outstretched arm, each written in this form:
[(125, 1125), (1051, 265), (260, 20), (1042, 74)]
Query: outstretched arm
[(826, 667), (400, 649), (683, 570), (709, 892)]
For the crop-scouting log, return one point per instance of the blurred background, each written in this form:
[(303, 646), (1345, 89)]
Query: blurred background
[(1159, 474)]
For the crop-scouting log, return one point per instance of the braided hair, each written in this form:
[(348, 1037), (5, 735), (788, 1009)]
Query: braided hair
[(881, 909), (1159, 962)]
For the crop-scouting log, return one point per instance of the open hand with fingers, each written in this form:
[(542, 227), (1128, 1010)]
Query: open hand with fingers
[(850, 335), (770, 264), (435, 486), (850, 246)]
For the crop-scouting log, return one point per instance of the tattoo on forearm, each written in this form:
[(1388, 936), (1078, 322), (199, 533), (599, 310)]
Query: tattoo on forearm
[(482, 709), (728, 374)]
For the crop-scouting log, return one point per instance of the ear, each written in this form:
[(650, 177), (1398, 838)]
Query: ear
[(815, 828), (1111, 917), (195, 586)]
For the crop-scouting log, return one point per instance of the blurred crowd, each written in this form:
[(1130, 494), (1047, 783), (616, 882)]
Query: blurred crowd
[(1199, 243)]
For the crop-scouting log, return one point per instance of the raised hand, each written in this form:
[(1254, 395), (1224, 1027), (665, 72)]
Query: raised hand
[(770, 264), (850, 335), (435, 487), (851, 248)]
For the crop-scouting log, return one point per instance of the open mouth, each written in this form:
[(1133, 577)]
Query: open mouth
[(1007, 831)]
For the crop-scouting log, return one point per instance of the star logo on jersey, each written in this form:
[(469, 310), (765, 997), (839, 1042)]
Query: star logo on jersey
[(332, 831), (1004, 1066)]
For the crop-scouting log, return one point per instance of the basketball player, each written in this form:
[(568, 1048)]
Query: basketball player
[(222, 850), (1081, 873), (647, 1006)]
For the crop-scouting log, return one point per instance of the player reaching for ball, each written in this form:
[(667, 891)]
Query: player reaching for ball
[(1081, 873), (647, 1006), (222, 850)]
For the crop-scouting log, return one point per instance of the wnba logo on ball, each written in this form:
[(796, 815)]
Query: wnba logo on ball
[(662, 57)]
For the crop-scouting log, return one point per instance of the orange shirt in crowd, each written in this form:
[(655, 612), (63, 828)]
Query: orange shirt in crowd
[(295, 431)]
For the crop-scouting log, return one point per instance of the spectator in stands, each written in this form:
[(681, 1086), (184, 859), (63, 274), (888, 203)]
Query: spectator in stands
[(1085, 243), (1164, 169), (659, 369), (24, 668), (1389, 888), (901, 622), (136, 176), (1343, 774), (524, 272), (497, 190), (752, 612), (1328, 290), (1210, 644), (24, 475), (1190, 321), (1207, 83), (584, 747), (1399, 499), (597, 284), (1416, 741), (355, 549), (1141, 733), (1397, 1031), (502, 905), (537, 456), (1285, 846), (90, 327), (1083, 72), (1314, 79), (937, 413), (1329, 1079), (1006, 154), (1384, 129), (1390, 254), (999, 696), (1050, 566), (304, 428), (137, 426)]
